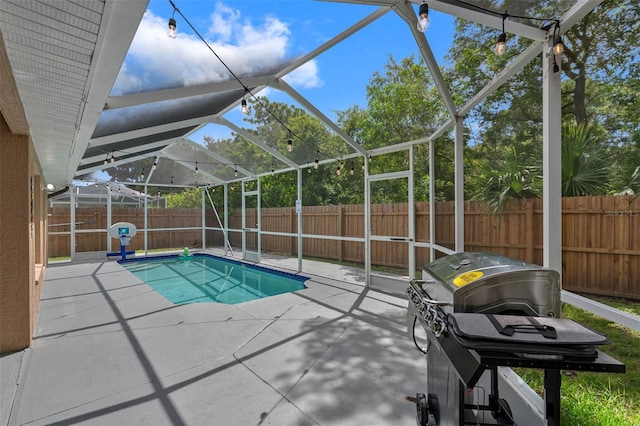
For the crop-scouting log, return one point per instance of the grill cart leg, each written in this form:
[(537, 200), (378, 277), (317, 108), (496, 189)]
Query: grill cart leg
[(499, 407), (552, 382)]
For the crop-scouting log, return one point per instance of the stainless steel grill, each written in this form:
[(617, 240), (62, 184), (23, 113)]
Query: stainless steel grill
[(515, 309), (490, 283)]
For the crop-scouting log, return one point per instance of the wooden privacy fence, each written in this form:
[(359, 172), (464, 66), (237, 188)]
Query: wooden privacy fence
[(94, 220), (601, 235)]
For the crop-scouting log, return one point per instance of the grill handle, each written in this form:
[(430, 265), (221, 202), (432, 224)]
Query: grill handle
[(436, 302), (419, 284)]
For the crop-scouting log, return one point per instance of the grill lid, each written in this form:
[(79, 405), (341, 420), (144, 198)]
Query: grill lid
[(485, 282), (460, 269)]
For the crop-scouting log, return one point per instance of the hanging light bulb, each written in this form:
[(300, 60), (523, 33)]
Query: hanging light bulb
[(352, 171), (316, 163), (172, 28), (155, 165), (362, 164), (235, 170), (273, 172), (106, 160), (197, 171), (558, 46), (423, 17), (113, 157), (338, 170), (243, 107), (341, 164), (289, 143), (502, 39), (370, 157), (502, 44), (142, 175)]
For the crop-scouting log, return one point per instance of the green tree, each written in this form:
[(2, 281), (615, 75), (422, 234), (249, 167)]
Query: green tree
[(403, 104), (187, 198), (584, 165), (504, 177)]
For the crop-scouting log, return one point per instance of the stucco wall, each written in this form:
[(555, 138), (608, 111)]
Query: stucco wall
[(18, 296)]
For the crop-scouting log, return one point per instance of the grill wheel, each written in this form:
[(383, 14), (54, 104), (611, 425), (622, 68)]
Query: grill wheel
[(425, 406)]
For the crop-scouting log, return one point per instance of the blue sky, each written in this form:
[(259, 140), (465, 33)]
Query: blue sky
[(250, 34)]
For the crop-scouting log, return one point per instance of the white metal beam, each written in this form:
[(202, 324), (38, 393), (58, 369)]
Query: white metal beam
[(453, 8), (283, 85), (406, 12), (551, 162), (183, 92), (578, 11), (99, 167), (147, 131), (216, 157), (493, 20), (251, 138), (129, 150), (187, 165), (335, 40), (459, 185), (512, 69)]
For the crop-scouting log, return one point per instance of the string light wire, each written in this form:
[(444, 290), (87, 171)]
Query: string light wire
[(244, 86)]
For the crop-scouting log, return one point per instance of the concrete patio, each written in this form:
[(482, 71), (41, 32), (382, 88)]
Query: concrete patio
[(109, 350)]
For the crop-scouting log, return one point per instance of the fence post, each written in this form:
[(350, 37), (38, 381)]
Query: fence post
[(292, 240), (340, 230), (529, 231)]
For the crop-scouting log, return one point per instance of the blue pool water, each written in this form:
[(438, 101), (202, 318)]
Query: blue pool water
[(206, 278)]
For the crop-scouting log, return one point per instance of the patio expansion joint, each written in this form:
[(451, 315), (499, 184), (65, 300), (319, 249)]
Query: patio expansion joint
[(283, 395)]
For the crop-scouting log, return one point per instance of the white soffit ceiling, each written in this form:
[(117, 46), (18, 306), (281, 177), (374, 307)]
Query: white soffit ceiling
[(65, 56)]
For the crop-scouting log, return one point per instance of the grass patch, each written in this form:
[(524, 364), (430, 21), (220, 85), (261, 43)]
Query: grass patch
[(595, 399)]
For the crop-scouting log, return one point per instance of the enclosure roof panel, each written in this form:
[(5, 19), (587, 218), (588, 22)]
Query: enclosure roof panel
[(101, 79)]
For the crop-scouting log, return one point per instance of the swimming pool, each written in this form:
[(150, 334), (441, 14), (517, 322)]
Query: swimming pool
[(206, 278)]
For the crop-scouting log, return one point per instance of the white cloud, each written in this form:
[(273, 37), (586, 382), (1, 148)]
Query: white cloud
[(305, 76), (155, 60)]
